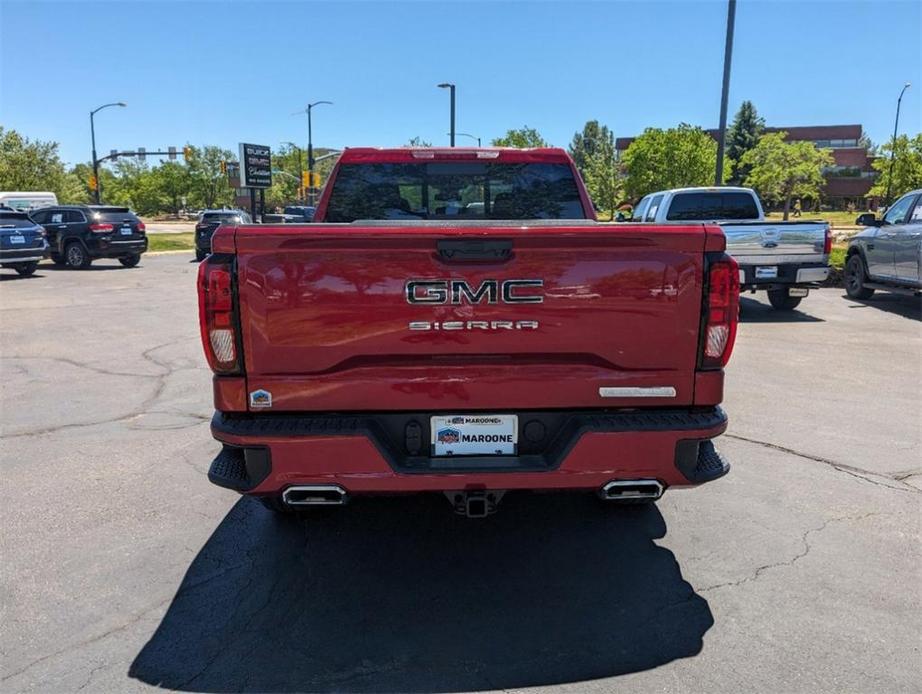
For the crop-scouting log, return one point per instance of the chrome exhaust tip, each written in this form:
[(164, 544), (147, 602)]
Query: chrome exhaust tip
[(315, 495), (629, 490)]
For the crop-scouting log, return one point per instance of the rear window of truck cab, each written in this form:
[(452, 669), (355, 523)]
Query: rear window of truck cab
[(705, 206), (454, 190)]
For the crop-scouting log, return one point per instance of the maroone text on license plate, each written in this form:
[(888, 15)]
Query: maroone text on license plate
[(477, 434)]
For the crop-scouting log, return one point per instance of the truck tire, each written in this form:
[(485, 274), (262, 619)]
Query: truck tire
[(76, 257), (781, 300), (130, 260), (26, 269), (855, 277)]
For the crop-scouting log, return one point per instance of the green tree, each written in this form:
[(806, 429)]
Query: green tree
[(29, 164), (907, 167), (673, 158), (589, 142), (522, 137), (743, 135), (172, 181), (418, 142), (781, 170), (208, 185), (603, 180)]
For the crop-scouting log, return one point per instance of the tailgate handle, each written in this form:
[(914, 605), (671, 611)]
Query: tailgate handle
[(474, 250)]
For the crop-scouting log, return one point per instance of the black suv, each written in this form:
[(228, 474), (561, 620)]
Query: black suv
[(209, 221), (79, 234)]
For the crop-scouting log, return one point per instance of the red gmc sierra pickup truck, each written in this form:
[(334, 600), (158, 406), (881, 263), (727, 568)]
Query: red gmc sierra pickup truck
[(457, 321)]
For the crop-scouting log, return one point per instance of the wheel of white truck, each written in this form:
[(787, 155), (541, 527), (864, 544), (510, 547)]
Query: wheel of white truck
[(854, 279), (781, 300)]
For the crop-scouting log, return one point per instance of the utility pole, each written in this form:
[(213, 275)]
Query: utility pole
[(300, 169), (896, 126), (93, 139), (728, 55), (451, 88), (310, 150)]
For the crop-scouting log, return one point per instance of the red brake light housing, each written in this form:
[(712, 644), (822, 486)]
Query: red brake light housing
[(217, 315), (141, 226), (721, 311), (101, 228), (827, 242)]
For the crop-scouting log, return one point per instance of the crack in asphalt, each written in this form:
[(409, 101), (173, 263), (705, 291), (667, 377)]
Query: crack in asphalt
[(856, 472), (167, 368), (793, 560)]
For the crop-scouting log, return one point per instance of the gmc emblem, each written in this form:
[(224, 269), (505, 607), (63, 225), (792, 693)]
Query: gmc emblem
[(489, 291)]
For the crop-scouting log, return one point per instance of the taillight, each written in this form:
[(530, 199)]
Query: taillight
[(101, 228), (216, 316), (141, 227), (827, 242), (722, 312)]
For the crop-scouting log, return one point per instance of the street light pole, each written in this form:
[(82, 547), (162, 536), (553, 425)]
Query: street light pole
[(310, 150), (724, 92), (93, 139), (896, 126), (473, 137), (451, 88)]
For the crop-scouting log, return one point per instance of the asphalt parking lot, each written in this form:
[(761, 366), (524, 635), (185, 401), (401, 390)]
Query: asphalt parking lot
[(124, 569)]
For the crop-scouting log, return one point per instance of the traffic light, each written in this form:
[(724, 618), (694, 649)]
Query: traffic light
[(92, 183), (187, 152), (224, 168), (305, 179)]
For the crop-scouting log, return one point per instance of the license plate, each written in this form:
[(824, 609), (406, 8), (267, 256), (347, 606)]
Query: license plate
[(17, 239), (798, 291), (767, 273), (126, 231), (481, 434)]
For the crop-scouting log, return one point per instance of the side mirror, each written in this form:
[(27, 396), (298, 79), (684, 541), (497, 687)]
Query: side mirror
[(868, 219)]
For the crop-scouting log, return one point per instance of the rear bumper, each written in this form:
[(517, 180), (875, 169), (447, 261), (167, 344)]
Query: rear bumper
[(371, 453), (23, 255), (787, 274), (116, 248)]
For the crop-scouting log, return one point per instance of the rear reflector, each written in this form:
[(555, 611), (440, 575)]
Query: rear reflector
[(216, 315), (722, 312)]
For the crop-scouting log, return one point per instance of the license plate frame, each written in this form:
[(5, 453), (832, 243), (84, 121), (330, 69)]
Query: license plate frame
[(496, 435), (17, 239), (798, 291), (126, 231), (767, 272)]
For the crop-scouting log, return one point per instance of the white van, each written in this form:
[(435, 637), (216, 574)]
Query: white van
[(26, 201)]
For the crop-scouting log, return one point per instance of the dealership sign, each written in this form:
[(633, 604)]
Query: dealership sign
[(255, 166)]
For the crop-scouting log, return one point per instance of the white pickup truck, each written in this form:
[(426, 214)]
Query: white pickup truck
[(784, 258)]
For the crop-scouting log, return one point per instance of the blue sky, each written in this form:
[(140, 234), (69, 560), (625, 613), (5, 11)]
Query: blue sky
[(219, 73)]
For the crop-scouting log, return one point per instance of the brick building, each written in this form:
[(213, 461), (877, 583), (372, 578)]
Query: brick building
[(848, 180)]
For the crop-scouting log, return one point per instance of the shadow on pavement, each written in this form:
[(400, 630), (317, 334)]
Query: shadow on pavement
[(754, 311), (13, 275), (900, 304), (400, 595)]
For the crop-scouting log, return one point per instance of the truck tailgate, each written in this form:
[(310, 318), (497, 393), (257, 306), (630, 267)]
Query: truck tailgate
[(328, 324), (775, 241)]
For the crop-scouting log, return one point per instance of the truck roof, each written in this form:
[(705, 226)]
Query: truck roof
[(552, 155), (707, 189)]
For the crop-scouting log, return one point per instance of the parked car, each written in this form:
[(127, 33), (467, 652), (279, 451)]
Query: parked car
[(304, 213), (887, 253), (80, 234), (22, 242), (208, 221), (786, 259), (396, 346)]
